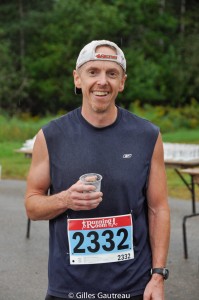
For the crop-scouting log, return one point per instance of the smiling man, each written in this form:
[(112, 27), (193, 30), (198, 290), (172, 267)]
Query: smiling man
[(111, 243), (100, 79)]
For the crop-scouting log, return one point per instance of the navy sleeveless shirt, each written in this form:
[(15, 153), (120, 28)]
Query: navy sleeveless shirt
[(121, 153)]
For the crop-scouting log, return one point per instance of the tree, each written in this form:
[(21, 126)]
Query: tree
[(14, 17), (8, 76), (41, 40)]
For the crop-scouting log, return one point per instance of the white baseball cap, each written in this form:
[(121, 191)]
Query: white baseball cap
[(88, 53)]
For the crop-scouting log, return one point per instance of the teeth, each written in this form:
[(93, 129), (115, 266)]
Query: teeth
[(100, 93)]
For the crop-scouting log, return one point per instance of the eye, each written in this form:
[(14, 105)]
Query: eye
[(112, 74), (92, 72)]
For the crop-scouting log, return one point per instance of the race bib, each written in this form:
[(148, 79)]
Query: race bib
[(100, 240)]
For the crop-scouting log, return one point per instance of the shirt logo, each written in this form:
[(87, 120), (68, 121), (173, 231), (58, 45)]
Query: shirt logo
[(127, 155)]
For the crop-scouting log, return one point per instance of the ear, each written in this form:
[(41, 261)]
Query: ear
[(77, 80), (122, 83)]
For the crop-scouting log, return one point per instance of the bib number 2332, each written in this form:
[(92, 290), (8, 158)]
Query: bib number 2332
[(100, 240)]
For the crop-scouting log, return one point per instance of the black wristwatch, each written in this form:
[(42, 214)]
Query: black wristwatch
[(162, 271)]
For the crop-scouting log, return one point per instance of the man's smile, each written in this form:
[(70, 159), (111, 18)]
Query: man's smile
[(100, 93)]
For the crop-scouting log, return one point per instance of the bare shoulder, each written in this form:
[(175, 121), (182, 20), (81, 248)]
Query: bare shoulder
[(157, 161), (158, 153), (157, 185), (40, 147), (39, 176)]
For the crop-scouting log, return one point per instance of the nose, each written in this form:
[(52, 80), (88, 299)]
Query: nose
[(102, 80)]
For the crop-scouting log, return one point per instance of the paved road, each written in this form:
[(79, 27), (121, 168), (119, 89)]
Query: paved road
[(23, 263)]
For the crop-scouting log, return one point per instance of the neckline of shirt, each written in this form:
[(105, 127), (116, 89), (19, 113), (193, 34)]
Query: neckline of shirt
[(86, 123)]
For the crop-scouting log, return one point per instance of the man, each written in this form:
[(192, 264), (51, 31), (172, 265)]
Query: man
[(113, 243)]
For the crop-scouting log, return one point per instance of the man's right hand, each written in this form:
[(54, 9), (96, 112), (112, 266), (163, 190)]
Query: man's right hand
[(80, 197)]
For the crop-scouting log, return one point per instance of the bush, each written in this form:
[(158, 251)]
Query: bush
[(21, 128), (169, 118)]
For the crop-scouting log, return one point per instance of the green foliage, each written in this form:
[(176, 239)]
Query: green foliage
[(8, 77), (40, 41), (19, 129), (190, 136), (169, 119), (14, 165)]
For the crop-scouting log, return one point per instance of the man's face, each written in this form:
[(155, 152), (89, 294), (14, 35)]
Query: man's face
[(100, 81)]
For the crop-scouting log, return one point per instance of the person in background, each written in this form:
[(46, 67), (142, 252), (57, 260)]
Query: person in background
[(111, 243)]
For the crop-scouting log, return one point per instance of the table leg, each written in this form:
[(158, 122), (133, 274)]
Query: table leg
[(185, 233), (28, 229), (191, 188), (193, 195)]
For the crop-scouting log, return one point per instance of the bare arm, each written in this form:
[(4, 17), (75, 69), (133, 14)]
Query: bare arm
[(159, 221), (40, 206)]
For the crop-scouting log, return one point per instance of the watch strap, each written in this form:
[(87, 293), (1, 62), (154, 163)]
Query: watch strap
[(161, 271)]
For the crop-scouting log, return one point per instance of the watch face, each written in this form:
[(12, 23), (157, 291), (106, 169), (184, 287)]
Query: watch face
[(165, 273), (162, 271)]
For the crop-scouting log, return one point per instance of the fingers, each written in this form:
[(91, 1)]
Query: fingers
[(91, 178), (83, 197), (86, 205), (84, 188)]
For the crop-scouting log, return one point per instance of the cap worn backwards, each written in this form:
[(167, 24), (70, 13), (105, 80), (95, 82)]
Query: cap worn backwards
[(88, 53)]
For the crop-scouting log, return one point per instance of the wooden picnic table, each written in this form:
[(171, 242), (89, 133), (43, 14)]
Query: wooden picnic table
[(26, 152), (194, 175), (182, 168), (194, 172)]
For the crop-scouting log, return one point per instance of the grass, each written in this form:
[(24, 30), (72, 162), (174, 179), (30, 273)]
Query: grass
[(190, 136), (16, 165), (176, 187), (20, 129)]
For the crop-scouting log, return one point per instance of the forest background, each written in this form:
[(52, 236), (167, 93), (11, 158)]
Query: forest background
[(39, 44), (41, 39)]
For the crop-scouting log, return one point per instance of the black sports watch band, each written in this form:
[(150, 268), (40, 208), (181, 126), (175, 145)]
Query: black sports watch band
[(162, 271)]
